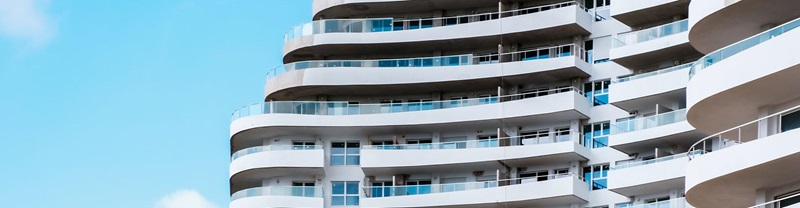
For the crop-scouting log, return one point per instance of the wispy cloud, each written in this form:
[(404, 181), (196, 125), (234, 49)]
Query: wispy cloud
[(26, 20), (184, 199)]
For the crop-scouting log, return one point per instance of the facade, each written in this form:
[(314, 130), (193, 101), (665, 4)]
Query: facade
[(527, 103)]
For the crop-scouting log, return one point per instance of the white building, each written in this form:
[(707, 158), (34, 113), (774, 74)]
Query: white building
[(528, 103)]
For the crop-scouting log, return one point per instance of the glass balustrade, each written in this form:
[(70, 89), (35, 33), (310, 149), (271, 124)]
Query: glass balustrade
[(649, 34), (373, 25), (733, 49), (654, 73), (649, 122), (656, 160), (672, 203), (392, 191), (253, 150), (438, 61), (297, 191), (551, 137), (339, 108), (787, 120)]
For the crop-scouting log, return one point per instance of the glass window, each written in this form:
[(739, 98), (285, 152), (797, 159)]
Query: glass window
[(488, 141), (596, 135), (790, 121), (596, 176), (597, 92), (345, 153), (344, 193), (301, 145), (418, 187), (381, 189), (304, 189)]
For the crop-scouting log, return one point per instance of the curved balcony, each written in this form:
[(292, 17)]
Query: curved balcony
[(331, 9), (465, 156), (758, 155), (661, 130), (635, 12), (718, 23), (283, 196), (643, 91), (375, 36), (653, 45), (542, 191), (654, 176), (249, 166), (279, 118), (444, 72), (742, 77)]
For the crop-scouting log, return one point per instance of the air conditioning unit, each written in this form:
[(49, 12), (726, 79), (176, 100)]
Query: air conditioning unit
[(676, 62), (633, 113), (477, 173), (634, 155)]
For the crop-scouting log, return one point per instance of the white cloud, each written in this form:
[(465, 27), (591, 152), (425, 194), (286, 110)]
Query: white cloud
[(184, 199), (26, 20)]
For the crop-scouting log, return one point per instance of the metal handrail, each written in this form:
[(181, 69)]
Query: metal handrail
[(762, 205), (695, 146)]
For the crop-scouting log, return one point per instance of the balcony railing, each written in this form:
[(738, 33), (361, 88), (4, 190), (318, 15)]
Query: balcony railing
[(654, 73), (551, 137), (782, 202), (649, 122), (253, 150), (390, 24), (339, 108), (298, 191), (672, 203), (733, 49), (649, 34), (740, 134), (456, 60), (656, 160), (393, 191)]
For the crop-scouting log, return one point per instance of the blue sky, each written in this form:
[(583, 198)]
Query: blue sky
[(121, 103)]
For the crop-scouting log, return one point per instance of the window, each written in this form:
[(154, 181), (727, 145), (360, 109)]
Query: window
[(391, 106), (344, 193), (304, 189), (345, 153), (624, 205), (535, 137), (487, 99), (596, 135), (491, 58), (487, 141), (420, 104), (655, 202), (589, 48), (533, 176), (353, 108), (453, 142), (381, 189), (790, 121), (597, 92), (383, 144), (419, 143), (381, 25), (596, 176), (562, 134), (418, 187), (786, 202), (303, 145), (459, 101)]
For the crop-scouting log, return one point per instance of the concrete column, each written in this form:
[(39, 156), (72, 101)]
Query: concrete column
[(436, 137), (761, 196), (763, 125), (575, 130), (438, 22)]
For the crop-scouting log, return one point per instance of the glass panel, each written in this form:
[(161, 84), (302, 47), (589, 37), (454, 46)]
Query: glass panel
[(337, 187), (337, 200), (790, 121), (337, 160)]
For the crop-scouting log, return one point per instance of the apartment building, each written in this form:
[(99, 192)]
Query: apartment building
[(527, 103)]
